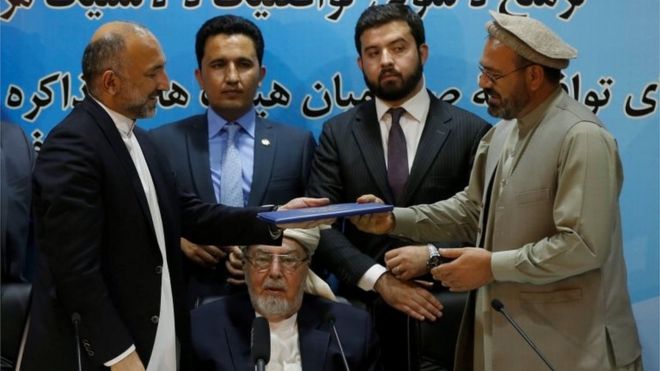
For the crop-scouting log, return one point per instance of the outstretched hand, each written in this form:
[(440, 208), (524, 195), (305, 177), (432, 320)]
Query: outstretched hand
[(378, 223), (301, 203)]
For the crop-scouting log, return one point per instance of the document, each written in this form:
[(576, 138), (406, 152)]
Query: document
[(323, 212)]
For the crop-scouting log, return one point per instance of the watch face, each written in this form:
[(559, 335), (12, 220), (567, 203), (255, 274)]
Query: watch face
[(434, 261)]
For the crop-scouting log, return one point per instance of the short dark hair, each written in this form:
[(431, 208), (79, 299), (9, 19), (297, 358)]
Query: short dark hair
[(229, 25), (101, 55), (551, 74), (379, 15)]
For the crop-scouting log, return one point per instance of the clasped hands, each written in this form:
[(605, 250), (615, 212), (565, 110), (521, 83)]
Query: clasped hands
[(469, 269)]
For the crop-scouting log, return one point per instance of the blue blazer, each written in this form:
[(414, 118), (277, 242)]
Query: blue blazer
[(282, 158), (282, 161), (221, 335)]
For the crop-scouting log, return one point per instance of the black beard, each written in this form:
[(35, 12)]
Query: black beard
[(395, 94)]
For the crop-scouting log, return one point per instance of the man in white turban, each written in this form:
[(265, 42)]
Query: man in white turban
[(300, 311)]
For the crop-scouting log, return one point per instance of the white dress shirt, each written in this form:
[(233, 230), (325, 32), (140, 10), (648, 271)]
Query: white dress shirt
[(163, 355), (412, 123)]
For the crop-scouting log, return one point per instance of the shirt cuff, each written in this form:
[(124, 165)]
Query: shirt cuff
[(503, 265), (368, 280), (404, 219), (115, 360)]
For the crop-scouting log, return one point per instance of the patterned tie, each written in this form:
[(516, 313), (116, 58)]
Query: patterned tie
[(231, 176), (397, 155)]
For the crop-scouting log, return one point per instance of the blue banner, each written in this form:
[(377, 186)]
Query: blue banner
[(312, 75)]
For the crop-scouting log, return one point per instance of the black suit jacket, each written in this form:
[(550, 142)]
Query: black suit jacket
[(16, 162), (282, 158), (282, 161), (221, 335), (98, 251), (350, 162)]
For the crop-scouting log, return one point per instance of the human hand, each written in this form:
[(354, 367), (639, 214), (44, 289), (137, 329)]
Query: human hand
[(378, 223), (204, 255), (407, 262), (234, 266), (469, 270), (131, 362), (301, 203), (408, 297)]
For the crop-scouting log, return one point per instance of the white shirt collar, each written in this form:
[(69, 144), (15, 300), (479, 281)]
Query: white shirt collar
[(123, 123), (287, 323), (416, 106)]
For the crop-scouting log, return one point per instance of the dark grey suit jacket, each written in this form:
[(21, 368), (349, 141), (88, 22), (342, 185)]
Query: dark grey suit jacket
[(350, 162), (16, 162), (221, 336)]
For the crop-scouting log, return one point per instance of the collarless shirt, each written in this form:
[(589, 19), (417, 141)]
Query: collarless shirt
[(284, 346), (163, 355), (244, 143)]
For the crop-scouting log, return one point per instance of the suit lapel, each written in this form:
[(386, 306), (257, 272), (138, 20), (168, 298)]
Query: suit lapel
[(265, 142), (313, 341), (238, 337), (367, 135), (197, 141), (434, 136), (114, 138)]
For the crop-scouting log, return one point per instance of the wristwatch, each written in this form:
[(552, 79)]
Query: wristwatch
[(434, 257)]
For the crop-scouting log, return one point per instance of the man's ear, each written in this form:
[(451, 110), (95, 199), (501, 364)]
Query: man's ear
[(262, 73), (535, 76), (198, 77), (110, 82), (423, 53)]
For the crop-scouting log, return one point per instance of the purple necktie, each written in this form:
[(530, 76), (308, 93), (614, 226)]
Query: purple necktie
[(397, 154)]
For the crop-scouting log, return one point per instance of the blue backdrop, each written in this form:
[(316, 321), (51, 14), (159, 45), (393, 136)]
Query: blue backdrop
[(312, 74)]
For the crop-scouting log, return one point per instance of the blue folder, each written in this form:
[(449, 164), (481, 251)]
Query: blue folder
[(322, 212)]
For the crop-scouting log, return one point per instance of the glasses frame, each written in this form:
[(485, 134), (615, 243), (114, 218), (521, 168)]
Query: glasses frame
[(493, 78), (297, 263)]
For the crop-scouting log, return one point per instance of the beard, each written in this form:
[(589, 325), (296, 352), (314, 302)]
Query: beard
[(510, 107), (273, 305), (138, 105), (142, 107), (394, 91)]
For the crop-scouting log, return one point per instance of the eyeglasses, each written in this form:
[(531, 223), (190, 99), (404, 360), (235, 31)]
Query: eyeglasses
[(289, 262), (494, 77)]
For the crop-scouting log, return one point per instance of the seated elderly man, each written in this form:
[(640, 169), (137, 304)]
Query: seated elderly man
[(300, 323)]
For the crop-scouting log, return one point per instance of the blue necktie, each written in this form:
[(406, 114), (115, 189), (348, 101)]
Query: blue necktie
[(397, 155), (231, 176)]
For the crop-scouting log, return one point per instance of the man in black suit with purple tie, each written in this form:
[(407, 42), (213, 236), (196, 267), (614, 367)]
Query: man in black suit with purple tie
[(406, 146)]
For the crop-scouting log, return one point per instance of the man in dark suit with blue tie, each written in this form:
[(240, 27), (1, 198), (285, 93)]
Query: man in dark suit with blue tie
[(264, 163), (407, 147)]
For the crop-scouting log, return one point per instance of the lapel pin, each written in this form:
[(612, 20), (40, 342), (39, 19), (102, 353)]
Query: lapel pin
[(265, 142)]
